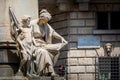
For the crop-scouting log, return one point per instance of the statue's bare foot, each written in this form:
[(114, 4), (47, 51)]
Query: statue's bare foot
[(34, 75), (29, 75), (54, 74), (19, 70)]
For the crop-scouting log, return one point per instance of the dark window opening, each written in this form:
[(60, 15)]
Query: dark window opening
[(115, 20), (108, 20), (102, 20)]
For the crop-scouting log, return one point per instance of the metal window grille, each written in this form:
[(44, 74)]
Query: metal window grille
[(108, 68)]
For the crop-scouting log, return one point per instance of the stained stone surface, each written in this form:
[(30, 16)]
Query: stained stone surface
[(31, 78), (46, 78), (13, 78), (9, 60)]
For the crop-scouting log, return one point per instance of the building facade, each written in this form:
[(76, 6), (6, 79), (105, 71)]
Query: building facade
[(88, 25)]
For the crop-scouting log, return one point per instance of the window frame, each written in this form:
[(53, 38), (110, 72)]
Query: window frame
[(105, 31)]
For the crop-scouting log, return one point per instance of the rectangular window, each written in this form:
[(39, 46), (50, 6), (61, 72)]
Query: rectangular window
[(109, 68), (108, 20)]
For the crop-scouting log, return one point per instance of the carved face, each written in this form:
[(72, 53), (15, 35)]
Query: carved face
[(43, 20), (108, 47), (26, 21)]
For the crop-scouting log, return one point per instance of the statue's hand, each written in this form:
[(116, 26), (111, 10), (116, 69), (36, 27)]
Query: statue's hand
[(64, 41)]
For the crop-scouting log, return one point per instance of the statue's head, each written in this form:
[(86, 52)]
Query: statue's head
[(108, 47), (26, 20), (44, 17)]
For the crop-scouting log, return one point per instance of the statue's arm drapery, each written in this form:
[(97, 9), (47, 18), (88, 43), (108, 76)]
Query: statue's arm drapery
[(14, 25)]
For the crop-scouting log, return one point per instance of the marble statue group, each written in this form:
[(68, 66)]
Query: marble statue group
[(34, 42)]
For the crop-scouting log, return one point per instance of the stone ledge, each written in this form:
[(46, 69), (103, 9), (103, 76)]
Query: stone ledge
[(108, 32), (31, 78), (46, 78), (13, 78)]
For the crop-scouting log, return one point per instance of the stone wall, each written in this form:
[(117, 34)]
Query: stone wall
[(80, 63)]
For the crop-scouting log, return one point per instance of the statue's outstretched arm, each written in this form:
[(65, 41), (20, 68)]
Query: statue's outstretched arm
[(56, 35), (14, 24)]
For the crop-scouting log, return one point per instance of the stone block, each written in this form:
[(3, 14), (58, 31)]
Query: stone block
[(89, 61), (116, 51), (116, 44), (14, 78), (2, 55), (86, 77), (59, 24), (90, 69), (73, 15), (72, 77), (64, 7), (3, 29), (109, 38), (76, 53), (5, 34), (91, 53), (85, 61), (73, 31), (2, 10), (72, 61), (118, 37), (59, 17), (8, 70), (63, 31), (77, 23), (8, 56), (90, 22), (76, 69), (72, 45), (85, 31), (85, 15), (73, 38), (83, 6)]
